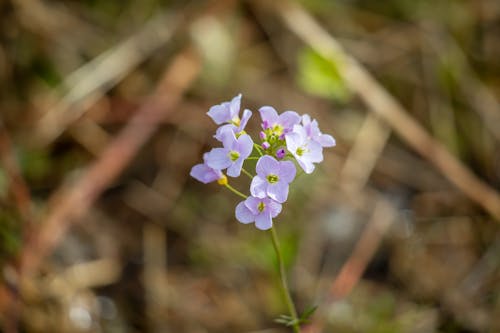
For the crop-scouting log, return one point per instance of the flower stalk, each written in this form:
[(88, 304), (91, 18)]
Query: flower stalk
[(284, 281)]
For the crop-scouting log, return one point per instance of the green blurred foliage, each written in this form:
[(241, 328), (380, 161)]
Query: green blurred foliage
[(320, 76)]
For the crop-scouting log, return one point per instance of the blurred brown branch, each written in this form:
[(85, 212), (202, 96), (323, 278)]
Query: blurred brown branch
[(72, 200), (384, 105)]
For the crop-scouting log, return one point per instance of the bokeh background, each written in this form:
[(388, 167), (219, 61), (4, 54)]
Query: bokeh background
[(103, 113)]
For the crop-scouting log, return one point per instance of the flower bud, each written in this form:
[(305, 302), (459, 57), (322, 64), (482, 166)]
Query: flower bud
[(280, 153), (222, 180), (266, 145)]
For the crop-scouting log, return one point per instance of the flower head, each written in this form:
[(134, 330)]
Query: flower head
[(306, 151), (314, 134), (272, 179), (231, 156), (258, 210), (278, 125), (205, 174)]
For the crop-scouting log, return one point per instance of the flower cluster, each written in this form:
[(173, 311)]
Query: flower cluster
[(286, 140)]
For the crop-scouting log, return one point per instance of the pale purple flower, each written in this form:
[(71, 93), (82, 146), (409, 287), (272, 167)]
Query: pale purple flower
[(226, 111), (279, 124), (205, 174), (272, 179), (237, 125), (231, 156), (258, 210), (314, 134), (306, 151)]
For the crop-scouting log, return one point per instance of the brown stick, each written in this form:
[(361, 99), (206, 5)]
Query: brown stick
[(73, 200), (384, 105)]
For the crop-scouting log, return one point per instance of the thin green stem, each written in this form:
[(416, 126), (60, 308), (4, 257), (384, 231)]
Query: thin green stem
[(253, 158), (247, 173), (257, 147), (235, 191), (284, 283)]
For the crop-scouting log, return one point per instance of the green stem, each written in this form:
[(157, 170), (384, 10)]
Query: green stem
[(235, 191), (247, 173), (284, 283), (257, 147), (253, 158)]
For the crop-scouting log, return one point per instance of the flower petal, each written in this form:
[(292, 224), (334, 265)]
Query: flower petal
[(293, 142), (228, 137), (288, 119), (266, 165), (274, 208), (258, 187), (235, 169), (305, 164), (243, 214), (204, 174), (244, 119), (287, 171), (222, 131), (220, 113), (326, 140), (278, 191), (269, 114), (218, 159), (244, 145), (315, 153), (263, 221), (252, 203), (234, 107)]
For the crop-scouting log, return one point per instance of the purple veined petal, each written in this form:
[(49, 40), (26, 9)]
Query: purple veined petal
[(287, 171), (288, 119), (274, 208), (218, 158), (263, 221), (222, 131), (235, 169), (220, 113), (258, 187), (244, 119), (234, 107), (243, 214), (252, 204), (266, 165), (244, 145), (315, 153), (204, 174), (269, 115), (326, 140), (278, 191)]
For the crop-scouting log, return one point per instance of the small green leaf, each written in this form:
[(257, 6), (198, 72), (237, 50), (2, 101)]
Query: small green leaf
[(308, 312)]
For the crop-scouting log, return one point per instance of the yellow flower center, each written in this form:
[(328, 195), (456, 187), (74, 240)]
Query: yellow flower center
[(272, 178), (261, 206), (233, 155)]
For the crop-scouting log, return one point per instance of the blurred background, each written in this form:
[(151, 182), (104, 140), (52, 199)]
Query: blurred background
[(103, 113)]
